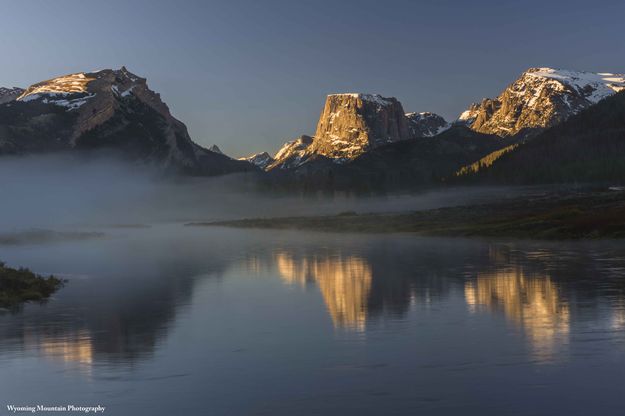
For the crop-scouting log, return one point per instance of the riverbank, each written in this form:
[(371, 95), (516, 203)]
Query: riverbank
[(566, 215)]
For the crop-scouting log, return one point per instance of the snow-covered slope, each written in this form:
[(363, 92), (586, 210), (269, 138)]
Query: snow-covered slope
[(9, 94), (541, 97), (262, 160), (426, 124), (292, 154)]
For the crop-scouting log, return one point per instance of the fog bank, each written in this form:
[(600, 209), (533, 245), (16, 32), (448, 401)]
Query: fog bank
[(64, 191)]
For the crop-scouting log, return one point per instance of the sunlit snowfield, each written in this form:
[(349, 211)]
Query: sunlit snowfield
[(171, 320)]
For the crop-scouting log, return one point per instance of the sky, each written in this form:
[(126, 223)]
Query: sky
[(249, 75)]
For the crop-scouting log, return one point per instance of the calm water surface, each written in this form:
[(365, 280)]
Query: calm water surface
[(174, 320)]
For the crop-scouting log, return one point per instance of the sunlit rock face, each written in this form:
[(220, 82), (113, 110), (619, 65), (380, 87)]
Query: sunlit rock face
[(540, 98), (262, 160), (344, 282), (351, 124), (95, 98), (75, 348), (292, 154), (109, 109), (530, 301)]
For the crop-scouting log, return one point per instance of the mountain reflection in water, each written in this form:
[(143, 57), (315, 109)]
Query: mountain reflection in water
[(531, 302), (344, 282), (500, 279), (310, 315)]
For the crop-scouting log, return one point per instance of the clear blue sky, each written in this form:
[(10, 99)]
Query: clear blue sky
[(249, 74)]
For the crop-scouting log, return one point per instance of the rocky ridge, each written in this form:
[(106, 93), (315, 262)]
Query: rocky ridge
[(292, 154), (540, 98), (262, 160), (106, 109)]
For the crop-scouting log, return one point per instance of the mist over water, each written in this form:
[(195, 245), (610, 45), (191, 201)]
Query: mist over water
[(64, 191)]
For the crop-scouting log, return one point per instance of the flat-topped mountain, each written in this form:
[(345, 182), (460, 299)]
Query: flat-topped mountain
[(352, 124), (540, 98), (107, 109)]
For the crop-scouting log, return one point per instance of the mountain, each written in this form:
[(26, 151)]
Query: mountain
[(426, 124), (292, 154), (540, 98), (352, 124), (262, 160), (403, 164), (9, 94), (587, 147), (107, 109)]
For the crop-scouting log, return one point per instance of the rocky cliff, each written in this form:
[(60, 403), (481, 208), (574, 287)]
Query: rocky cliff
[(351, 124), (540, 98)]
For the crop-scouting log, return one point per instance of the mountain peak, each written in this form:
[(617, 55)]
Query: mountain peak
[(603, 83), (215, 149), (541, 97), (352, 123), (426, 124), (108, 108), (82, 85), (262, 160)]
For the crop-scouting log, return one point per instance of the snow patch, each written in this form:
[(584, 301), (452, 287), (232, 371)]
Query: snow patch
[(374, 98), (68, 84), (592, 86), (60, 99)]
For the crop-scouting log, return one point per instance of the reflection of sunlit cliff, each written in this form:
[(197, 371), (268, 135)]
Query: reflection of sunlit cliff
[(532, 302), (77, 348), (618, 315), (344, 282)]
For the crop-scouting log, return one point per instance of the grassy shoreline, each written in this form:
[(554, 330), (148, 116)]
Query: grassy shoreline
[(21, 285), (573, 215)]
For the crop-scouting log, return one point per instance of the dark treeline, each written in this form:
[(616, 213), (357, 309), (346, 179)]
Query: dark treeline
[(587, 148)]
